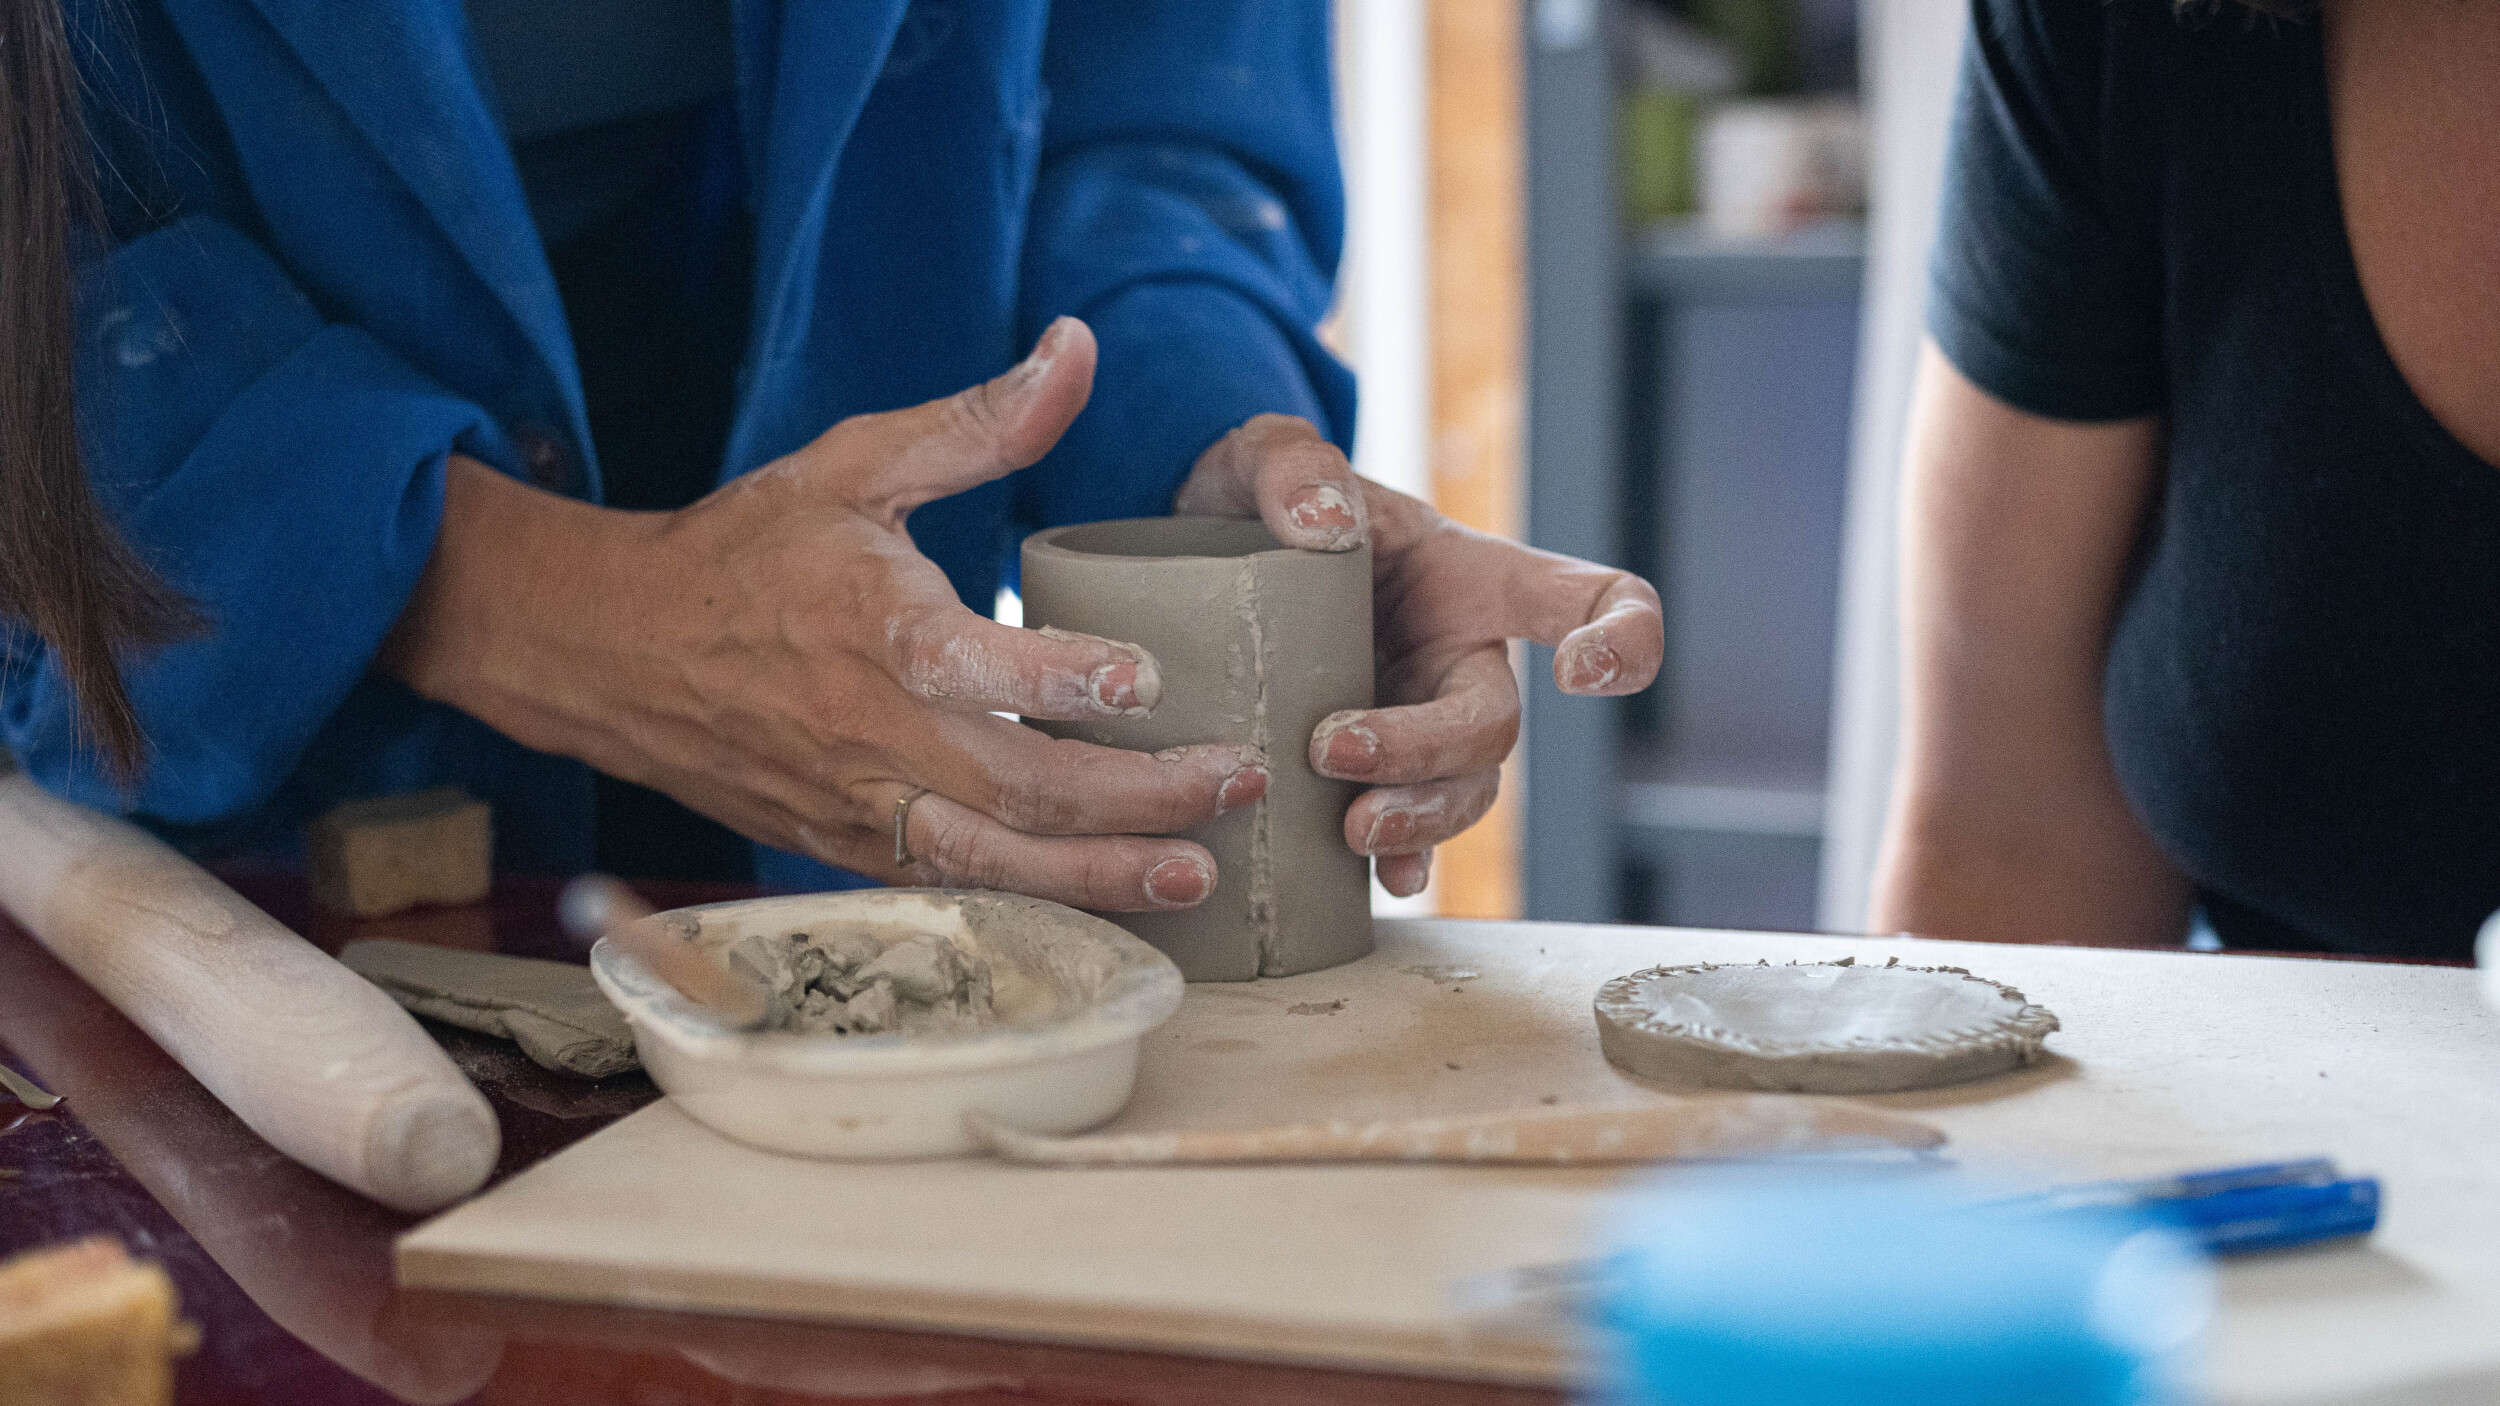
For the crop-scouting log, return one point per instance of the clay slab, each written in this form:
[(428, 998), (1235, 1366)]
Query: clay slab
[(1820, 1027), (552, 1010), (1256, 643)]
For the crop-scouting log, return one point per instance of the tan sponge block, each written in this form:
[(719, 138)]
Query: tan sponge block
[(380, 856), (82, 1325)]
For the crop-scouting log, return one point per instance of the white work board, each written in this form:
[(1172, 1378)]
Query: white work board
[(2168, 1061)]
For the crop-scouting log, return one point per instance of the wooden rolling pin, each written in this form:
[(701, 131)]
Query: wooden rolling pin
[(316, 1060), (1689, 1129)]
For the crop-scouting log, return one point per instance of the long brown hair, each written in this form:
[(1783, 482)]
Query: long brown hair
[(64, 571)]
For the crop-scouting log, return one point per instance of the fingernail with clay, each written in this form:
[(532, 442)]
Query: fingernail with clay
[(1113, 688), (1244, 787), (1592, 666), (1127, 687), (1390, 829), (1178, 883), (1342, 747), (1324, 518), (1411, 876), (1045, 351)]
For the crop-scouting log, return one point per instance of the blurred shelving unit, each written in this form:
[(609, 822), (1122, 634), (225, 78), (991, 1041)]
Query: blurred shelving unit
[(1740, 360), (1678, 263), (1688, 417)]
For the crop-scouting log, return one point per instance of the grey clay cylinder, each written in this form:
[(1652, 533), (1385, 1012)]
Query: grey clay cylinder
[(1257, 642)]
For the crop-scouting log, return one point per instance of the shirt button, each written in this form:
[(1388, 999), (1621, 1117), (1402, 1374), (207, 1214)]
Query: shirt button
[(543, 459)]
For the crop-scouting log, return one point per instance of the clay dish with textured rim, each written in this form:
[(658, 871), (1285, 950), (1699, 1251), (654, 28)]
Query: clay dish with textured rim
[(1818, 1027), (1075, 997)]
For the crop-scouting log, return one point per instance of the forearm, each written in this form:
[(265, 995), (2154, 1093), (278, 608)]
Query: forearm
[(512, 618), (2008, 821)]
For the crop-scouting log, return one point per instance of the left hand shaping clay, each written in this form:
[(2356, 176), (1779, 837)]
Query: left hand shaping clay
[(553, 1010)]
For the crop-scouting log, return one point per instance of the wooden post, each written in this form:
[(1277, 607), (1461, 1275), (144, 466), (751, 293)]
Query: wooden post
[(1479, 338)]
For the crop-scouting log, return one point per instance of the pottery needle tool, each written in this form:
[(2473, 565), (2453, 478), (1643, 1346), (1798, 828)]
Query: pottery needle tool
[(309, 1055), (27, 1091), (597, 906), (1682, 1130)]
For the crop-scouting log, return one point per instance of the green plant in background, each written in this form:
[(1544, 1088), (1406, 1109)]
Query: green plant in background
[(1763, 34), (1660, 132), (1679, 59)]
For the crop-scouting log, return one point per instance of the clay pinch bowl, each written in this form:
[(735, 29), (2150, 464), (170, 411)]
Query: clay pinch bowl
[(1075, 997), (1817, 1027)]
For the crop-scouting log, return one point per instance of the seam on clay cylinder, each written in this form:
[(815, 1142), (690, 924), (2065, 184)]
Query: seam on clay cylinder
[(1262, 893)]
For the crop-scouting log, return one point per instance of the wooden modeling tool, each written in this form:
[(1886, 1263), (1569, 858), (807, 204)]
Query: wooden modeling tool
[(27, 1091), (597, 907), (309, 1055), (1682, 1130)]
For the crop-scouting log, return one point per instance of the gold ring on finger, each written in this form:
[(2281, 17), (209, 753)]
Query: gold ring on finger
[(902, 818)]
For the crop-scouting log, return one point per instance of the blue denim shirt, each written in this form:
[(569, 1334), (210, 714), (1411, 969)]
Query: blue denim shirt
[(321, 278)]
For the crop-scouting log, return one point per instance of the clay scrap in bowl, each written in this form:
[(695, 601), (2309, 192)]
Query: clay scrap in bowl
[(1073, 997), (1818, 1027)]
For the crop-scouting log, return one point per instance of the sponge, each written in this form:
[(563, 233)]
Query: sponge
[(83, 1325)]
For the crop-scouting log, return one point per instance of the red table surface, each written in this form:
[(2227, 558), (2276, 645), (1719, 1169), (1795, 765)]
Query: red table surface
[(289, 1276)]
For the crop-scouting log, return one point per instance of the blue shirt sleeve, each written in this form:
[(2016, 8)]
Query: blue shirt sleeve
[(2046, 278), (284, 472), (1189, 208)]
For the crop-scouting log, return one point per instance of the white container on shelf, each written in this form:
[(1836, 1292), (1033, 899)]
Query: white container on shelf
[(1767, 167)]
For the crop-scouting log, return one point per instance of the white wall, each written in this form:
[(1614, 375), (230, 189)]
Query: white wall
[(1911, 49), (1382, 294), (1383, 304)]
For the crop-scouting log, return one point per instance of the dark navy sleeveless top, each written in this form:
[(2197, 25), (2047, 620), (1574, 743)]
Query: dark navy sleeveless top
[(2302, 694)]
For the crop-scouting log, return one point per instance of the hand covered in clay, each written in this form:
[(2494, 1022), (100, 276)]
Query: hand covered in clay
[(1446, 602), (780, 657)]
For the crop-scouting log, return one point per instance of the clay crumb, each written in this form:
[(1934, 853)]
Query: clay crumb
[(1316, 1007), (849, 979), (1550, 1100), (1450, 1066)]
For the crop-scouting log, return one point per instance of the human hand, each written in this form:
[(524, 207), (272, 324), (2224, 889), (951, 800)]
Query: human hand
[(779, 656), (1446, 602)]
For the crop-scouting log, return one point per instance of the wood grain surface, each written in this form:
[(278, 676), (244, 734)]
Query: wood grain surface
[(1477, 304)]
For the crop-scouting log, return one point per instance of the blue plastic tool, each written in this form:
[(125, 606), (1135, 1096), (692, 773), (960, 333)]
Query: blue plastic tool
[(2233, 1210), (1768, 1291)]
